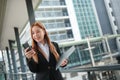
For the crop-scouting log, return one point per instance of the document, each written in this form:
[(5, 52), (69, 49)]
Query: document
[(65, 56)]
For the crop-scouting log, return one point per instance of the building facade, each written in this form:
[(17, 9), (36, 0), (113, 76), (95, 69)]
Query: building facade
[(75, 20)]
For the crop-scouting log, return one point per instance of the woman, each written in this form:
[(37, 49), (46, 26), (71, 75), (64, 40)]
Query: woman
[(43, 56)]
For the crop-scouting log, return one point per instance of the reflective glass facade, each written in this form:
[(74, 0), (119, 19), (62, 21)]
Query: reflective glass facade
[(58, 20), (53, 14), (86, 18)]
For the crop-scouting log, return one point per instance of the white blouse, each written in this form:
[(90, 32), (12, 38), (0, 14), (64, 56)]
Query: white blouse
[(45, 49)]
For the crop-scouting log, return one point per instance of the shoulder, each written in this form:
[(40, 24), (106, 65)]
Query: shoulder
[(55, 43), (57, 47)]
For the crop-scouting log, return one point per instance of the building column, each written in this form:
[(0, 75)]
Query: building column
[(22, 64), (30, 11), (30, 14), (8, 57), (11, 42)]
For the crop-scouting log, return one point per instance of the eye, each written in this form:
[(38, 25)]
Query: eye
[(38, 31), (32, 32)]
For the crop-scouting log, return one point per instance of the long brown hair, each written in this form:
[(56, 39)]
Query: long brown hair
[(51, 46)]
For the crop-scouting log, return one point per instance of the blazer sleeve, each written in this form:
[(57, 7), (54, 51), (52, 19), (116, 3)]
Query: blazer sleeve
[(33, 66), (58, 50)]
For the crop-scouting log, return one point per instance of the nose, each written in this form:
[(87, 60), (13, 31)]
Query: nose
[(35, 34)]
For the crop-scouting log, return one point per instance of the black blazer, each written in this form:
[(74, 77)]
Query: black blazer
[(45, 70)]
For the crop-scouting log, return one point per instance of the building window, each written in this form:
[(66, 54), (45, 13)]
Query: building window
[(110, 5), (69, 33), (112, 13), (115, 22)]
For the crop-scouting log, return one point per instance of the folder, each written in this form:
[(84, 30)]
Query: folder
[(65, 56)]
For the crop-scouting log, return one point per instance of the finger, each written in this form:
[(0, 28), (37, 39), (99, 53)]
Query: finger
[(26, 50), (29, 55), (33, 52)]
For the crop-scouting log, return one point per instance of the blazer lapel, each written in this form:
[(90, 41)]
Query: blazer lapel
[(41, 57)]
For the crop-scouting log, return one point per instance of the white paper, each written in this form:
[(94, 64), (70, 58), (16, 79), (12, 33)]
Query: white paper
[(65, 56)]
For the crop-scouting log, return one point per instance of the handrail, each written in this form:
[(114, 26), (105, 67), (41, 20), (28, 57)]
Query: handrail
[(83, 69), (110, 67), (83, 41), (96, 68)]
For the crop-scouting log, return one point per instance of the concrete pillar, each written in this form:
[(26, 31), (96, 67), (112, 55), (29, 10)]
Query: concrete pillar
[(30, 11), (22, 64), (11, 42), (8, 57)]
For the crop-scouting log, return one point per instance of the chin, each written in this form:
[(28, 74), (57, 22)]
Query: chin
[(36, 40)]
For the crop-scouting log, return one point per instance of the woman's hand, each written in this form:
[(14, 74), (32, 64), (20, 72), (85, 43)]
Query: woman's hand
[(29, 53), (64, 63)]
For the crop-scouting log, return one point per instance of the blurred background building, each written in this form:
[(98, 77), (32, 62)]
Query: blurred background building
[(76, 21)]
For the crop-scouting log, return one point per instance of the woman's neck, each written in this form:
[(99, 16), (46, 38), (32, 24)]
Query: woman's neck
[(43, 42)]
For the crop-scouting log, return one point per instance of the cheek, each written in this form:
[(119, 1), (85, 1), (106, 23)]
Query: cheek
[(33, 36), (42, 34), (37, 36)]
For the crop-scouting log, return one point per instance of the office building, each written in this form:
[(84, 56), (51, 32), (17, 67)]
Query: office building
[(74, 20)]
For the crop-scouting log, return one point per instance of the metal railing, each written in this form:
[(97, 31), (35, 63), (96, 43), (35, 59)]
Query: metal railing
[(108, 68), (19, 76)]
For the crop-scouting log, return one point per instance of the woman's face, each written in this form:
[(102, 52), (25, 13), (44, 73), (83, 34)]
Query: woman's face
[(38, 34)]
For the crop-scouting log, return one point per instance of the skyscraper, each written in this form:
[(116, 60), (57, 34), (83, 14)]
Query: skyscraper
[(74, 20), (106, 19), (65, 21)]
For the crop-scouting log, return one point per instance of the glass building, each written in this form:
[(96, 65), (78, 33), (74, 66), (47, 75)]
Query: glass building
[(86, 18), (66, 21), (72, 22)]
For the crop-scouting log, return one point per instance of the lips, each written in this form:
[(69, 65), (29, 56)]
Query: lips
[(37, 39)]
